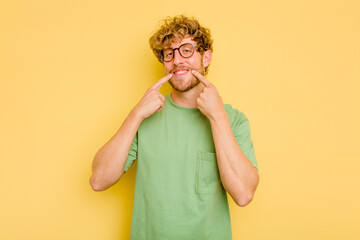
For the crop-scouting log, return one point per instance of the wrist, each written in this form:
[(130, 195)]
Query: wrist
[(136, 115), (219, 116)]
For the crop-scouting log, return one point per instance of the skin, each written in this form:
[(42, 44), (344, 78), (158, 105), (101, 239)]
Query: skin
[(109, 162), (192, 90), (196, 62), (238, 176)]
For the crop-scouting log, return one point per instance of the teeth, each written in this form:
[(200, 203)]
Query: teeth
[(180, 72)]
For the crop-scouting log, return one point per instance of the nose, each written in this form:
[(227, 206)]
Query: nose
[(178, 59)]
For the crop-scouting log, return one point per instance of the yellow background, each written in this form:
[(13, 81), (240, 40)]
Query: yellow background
[(71, 71)]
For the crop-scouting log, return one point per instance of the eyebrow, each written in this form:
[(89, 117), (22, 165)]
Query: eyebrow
[(180, 45)]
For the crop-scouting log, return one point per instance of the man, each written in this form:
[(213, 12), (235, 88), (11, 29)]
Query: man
[(191, 148)]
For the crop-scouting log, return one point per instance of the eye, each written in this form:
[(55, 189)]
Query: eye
[(168, 53)]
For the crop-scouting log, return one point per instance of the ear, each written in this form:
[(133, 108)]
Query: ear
[(207, 58)]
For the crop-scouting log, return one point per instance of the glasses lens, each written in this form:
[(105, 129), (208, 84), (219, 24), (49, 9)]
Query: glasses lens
[(187, 50), (168, 54)]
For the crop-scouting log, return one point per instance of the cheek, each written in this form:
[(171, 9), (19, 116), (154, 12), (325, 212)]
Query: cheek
[(167, 68), (198, 65)]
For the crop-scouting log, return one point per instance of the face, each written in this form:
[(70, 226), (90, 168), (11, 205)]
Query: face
[(180, 67)]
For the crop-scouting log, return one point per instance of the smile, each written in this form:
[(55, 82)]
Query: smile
[(181, 71)]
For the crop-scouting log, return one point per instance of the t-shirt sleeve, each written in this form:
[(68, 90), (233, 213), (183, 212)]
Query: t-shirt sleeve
[(241, 130), (133, 153)]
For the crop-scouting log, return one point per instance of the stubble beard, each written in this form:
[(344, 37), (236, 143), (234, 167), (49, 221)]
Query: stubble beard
[(193, 81), (177, 87)]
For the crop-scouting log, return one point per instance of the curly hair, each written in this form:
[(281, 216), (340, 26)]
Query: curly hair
[(177, 28)]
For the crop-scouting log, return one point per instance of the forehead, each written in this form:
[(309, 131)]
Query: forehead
[(177, 43)]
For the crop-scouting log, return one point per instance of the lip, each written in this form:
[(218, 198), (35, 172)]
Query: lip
[(176, 72)]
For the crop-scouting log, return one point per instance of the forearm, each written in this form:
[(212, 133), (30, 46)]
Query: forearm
[(109, 162), (238, 176)]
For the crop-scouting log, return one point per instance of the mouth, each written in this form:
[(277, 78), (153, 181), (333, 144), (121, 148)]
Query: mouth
[(180, 72)]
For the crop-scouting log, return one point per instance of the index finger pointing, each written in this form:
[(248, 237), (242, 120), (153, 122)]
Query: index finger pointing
[(163, 80), (201, 78)]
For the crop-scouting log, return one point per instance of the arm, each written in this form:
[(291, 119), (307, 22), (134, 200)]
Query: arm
[(109, 162), (238, 176)]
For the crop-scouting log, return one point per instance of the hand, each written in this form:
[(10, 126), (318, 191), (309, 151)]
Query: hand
[(209, 101), (152, 101)]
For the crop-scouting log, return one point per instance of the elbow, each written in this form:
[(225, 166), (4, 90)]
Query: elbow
[(100, 182), (244, 200), (95, 185), (245, 196)]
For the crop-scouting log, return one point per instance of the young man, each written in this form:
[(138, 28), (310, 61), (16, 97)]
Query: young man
[(191, 148)]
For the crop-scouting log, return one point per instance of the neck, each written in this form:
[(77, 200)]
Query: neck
[(187, 99)]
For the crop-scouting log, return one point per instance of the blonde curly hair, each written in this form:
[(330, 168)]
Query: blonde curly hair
[(177, 28)]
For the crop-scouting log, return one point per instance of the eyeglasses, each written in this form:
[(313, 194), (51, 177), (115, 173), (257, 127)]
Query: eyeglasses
[(186, 50)]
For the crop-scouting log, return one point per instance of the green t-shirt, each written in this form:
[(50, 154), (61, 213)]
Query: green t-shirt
[(178, 192)]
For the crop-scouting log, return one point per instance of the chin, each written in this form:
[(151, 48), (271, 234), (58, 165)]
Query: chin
[(183, 88)]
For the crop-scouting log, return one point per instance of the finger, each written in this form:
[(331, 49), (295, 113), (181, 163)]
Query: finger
[(201, 78), (163, 80), (161, 97), (160, 108)]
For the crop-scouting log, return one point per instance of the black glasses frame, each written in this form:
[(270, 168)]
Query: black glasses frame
[(173, 51)]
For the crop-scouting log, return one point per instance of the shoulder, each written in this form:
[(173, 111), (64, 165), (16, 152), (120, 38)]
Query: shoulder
[(240, 124), (235, 116)]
